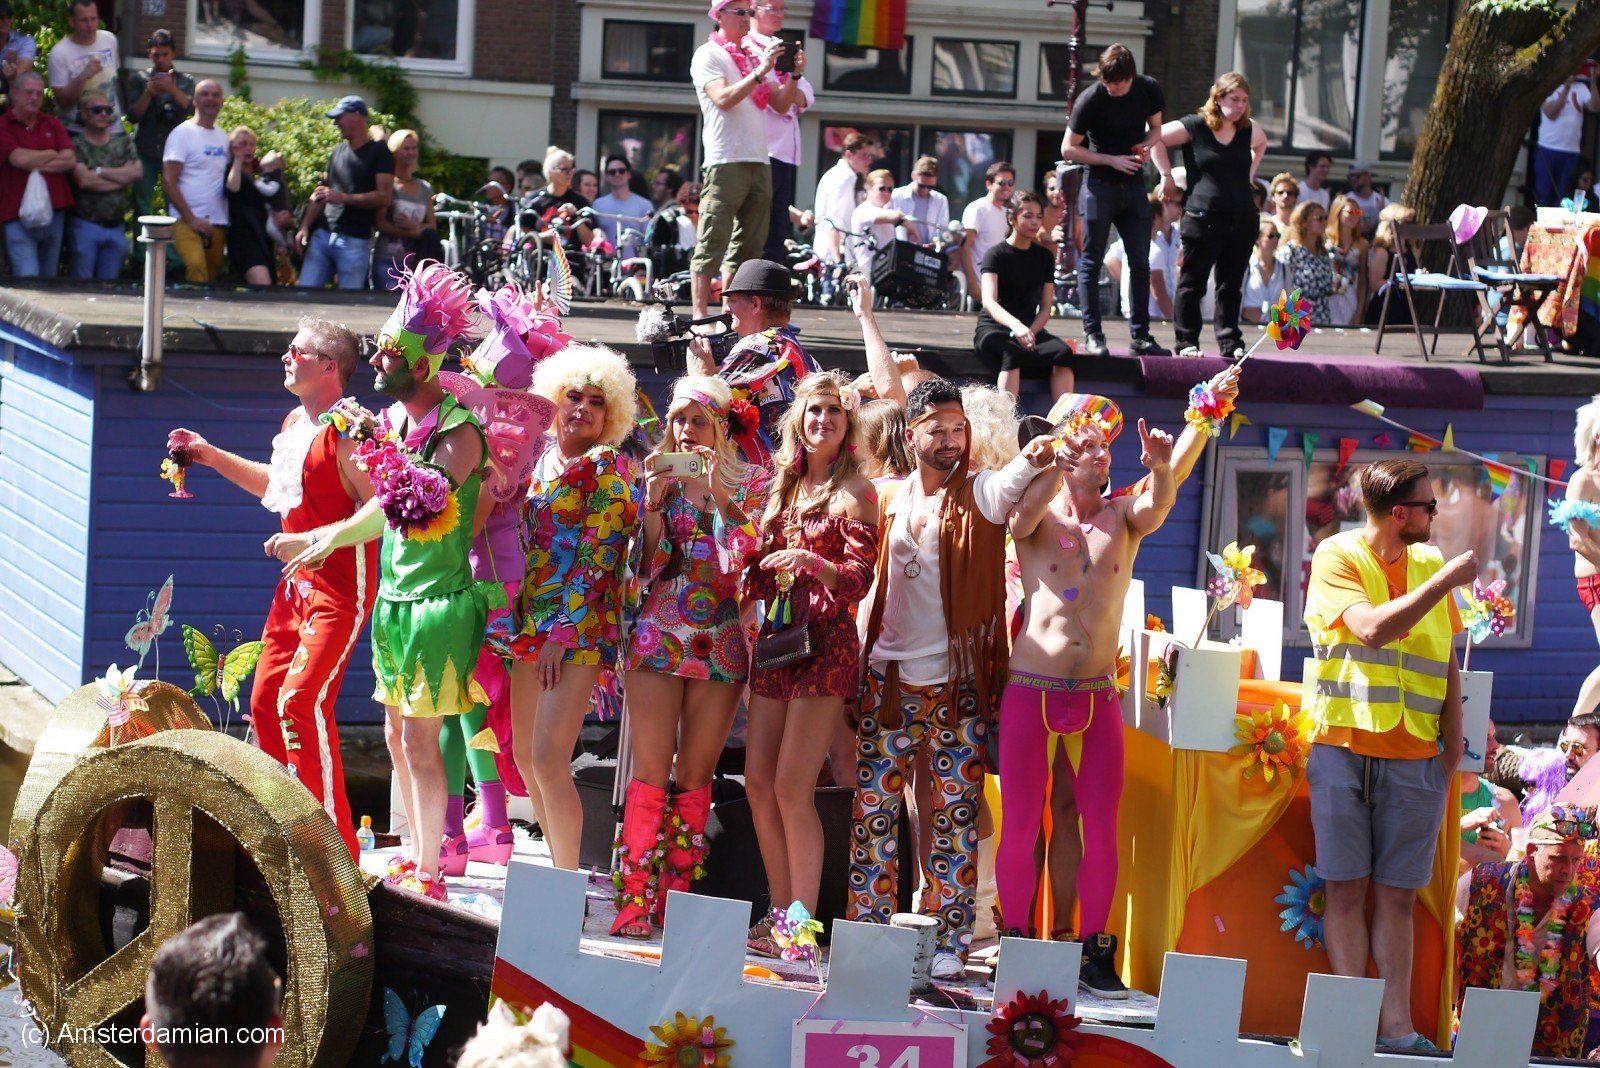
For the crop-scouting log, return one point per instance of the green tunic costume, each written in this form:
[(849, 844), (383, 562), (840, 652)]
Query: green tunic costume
[(430, 616)]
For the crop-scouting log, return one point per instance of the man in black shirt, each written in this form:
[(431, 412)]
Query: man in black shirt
[(159, 99), (358, 185), (1112, 126)]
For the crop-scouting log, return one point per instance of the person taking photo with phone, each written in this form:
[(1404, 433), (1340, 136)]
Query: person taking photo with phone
[(158, 100)]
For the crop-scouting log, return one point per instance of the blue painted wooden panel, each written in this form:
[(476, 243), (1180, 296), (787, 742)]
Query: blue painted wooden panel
[(46, 430)]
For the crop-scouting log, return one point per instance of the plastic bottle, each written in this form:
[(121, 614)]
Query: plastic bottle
[(364, 836)]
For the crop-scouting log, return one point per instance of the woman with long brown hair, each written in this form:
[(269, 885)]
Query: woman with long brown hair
[(820, 539), (1221, 149)]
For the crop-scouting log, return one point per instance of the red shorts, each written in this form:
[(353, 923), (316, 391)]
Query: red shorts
[(1589, 591)]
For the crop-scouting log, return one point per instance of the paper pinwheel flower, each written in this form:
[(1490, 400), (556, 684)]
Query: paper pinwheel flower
[(688, 1042), (795, 932), (1236, 579), (1307, 900), (1207, 410), (1289, 320), (1032, 1031), (1153, 622), (1273, 740), (1487, 610), (117, 697)]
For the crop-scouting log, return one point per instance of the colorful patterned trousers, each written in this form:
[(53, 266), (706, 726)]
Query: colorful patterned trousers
[(944, 718)]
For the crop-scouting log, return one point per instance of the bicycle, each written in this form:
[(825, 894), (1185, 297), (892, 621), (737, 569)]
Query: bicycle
[(466, 246)]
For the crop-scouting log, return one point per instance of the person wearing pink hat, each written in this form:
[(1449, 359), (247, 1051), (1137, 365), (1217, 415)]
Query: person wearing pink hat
[(730, 80), (1060, 717)]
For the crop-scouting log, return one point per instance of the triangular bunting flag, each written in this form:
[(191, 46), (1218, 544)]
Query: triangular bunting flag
[(1449, 442), (1557, 468), (1421, 442), (1347, 449), (1308, 445), (1276, 435), (1382, 439), (1235, 421), (1531, 464)]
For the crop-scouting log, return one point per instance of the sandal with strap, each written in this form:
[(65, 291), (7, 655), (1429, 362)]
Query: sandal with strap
[(633, 921), (760, 941)]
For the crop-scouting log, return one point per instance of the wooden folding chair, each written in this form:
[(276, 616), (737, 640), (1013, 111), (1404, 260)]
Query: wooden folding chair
[(1409, 240), (1494, 261)]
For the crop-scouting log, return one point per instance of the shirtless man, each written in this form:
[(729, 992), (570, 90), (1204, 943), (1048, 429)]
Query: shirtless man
[(1060, 706)]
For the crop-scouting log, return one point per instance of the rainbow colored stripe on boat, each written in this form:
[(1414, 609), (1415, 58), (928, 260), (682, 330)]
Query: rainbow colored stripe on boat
[(595, 1041), (860, 23)]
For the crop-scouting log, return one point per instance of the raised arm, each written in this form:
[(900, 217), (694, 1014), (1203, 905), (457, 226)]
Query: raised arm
[(1149, 509), (248, 475), (880, 361)]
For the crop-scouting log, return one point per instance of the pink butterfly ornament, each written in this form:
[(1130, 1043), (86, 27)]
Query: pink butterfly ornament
[(8, 876)]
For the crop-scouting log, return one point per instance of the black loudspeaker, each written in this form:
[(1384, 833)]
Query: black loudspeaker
[(599, 818)]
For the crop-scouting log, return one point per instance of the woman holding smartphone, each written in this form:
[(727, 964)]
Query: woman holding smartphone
[(820, 539), (689, 656), (583, 507)]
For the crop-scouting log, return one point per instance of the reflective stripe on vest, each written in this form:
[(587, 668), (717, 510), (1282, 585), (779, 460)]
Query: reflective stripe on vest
[(1405, 681)]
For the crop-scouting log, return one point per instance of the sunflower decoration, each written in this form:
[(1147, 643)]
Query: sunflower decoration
[(688, 1042), (1032, 1031), (1124, 671), (1306, 898), (1274, 740)]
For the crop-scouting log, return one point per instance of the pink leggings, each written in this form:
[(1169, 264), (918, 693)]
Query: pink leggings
[(1038, 714)]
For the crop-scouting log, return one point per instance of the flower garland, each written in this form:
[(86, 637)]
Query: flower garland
[(1207, 410), (350, 420), (416, 497), (1032, 1031), (1276, 741), (689, 1042), (675, 830), (1549, 955)]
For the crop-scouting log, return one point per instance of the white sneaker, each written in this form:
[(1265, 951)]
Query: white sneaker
[(1190, 352), (946, 965), (983, 926)]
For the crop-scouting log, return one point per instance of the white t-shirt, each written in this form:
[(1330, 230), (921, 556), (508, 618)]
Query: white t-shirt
[(986, 226), (1163, 258), (932, 212), (1564, 133), (1315, 196), (737, 135), (204, 155), (836, 196), (67, 60), (637, 210), (863, 220)]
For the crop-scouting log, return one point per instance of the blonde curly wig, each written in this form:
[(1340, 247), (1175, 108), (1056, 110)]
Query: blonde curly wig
[(502, 1042), (992, 427), (577, 366)]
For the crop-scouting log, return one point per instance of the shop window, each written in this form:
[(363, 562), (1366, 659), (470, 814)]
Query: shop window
[(974, 68), (963, 157), (867, 70), (416, 32), (1301, 58), (650, 141), (647, 51), (1054, 69), (1418, 33), (259, 26)]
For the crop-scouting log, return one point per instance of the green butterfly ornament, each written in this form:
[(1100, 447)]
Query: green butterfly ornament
[(213, 671)]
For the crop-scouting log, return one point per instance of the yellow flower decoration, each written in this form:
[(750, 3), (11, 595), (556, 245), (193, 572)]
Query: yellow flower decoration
[(688, 1042), (441, 524), (1275, 741)]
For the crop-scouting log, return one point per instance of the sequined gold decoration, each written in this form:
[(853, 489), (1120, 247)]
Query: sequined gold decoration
[(211, 795)]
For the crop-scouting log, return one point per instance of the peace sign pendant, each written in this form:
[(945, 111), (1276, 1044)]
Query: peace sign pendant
[(912, 569)]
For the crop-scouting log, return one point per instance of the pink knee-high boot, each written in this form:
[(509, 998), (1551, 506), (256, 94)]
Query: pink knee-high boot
[(637, 873), (685, 844)]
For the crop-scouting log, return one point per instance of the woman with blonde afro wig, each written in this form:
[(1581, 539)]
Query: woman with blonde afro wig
[(1583, 533), (583, 508)]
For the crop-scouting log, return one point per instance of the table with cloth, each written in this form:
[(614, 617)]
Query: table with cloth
[(1571, 252), (1205, 853)]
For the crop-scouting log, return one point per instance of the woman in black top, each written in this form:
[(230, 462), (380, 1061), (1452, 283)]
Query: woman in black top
[(250, 250), (1018, 290), (1221, 150)]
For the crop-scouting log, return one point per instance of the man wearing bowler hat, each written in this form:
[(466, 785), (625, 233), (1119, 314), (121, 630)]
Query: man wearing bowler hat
[(768, 359), (336, 233)]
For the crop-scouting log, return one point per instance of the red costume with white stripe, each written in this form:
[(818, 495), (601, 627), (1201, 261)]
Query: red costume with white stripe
[(315, 619)]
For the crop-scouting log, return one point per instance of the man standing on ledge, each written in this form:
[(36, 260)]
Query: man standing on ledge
[(1386, 693), (1113, 125)]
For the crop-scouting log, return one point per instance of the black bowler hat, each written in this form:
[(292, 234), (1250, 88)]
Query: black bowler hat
[(763, 278)]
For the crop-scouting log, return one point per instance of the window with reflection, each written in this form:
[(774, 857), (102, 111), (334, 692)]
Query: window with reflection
[(405, 29), (1287, 508), (894, 142), (847, 69), (647, 51), (650, 141), (254, 25), (1418, 32), (1301, 58), (974, 68), (963, 156), (1055, 69)]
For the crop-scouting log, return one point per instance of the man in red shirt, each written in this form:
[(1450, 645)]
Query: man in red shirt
[(32, 142), (316, 615)]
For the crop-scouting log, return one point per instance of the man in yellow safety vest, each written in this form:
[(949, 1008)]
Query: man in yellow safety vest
[(1387, 738)]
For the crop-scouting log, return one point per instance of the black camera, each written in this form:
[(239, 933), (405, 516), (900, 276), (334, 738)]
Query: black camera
[(668, 333)]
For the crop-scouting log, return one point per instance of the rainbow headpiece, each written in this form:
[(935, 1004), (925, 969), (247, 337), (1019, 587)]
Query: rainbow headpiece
[(435, 311), (1078, 410), (520, 335), (712, 394)]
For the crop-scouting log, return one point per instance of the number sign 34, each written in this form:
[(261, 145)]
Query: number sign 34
[(862, 1044)]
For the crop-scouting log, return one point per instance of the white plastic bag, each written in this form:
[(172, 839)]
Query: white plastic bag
[(36, 210)]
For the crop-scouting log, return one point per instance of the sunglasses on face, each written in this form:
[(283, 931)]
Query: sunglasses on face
[(615, 171), (295, 354), (1575, 748), (1432, 506), (100, 109), (740, 12), (1005, 183)]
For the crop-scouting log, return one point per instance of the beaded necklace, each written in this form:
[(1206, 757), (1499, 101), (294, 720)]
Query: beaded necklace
[(1549, 956)]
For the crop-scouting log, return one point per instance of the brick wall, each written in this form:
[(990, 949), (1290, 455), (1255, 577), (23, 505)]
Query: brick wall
[(176, 20), (1182, 51), (564, 39), (513, 40), (333, 16)]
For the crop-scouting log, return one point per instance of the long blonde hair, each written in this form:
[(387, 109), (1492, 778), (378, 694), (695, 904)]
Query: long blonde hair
[(881, 426), (991, 427), (789, 461), (731, 468)]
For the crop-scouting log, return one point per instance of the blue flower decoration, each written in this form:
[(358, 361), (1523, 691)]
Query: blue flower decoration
[(1307, 900)]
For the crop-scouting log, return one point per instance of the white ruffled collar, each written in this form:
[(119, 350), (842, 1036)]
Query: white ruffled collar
[(286, 472)]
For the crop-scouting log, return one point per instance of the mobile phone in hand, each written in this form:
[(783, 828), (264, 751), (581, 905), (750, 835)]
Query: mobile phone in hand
[(679, 464), (785, 63)]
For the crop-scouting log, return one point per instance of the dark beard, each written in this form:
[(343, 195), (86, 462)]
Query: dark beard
[(401, 386)]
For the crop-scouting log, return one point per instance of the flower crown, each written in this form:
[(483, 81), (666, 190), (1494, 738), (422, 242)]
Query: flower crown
[(1080, 421)]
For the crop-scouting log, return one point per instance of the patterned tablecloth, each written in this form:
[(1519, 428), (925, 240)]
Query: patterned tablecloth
[(1574, 255)]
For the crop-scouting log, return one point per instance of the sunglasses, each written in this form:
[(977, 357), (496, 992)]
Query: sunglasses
[(614, 170), (1575, 748), (741, 12), (1431, 505), (296, 354), (1005, 183), (1572, 822), (101, 109)]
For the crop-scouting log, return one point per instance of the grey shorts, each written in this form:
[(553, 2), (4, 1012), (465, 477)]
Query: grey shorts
[(1375, 817)]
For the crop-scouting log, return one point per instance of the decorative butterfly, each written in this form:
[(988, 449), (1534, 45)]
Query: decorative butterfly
[(214, 672), (408, 1036), (151, 622), (8, 875), (117, 698)]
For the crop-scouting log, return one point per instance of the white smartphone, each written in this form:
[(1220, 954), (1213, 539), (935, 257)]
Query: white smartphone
[(679, 464)]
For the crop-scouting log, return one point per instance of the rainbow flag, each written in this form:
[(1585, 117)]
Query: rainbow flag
[(860, 23), (1499, 479), (1422, 443)]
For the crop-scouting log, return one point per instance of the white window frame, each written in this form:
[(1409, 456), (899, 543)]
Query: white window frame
[(466, 24), (268, 54), (1220, 510)]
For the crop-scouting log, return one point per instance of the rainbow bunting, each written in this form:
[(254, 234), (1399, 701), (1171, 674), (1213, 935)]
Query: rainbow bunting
[(860, 23), (1499, 476), (1422, 443), (559, 275)]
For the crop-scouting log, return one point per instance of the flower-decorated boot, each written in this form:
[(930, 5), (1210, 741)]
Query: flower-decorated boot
[(639, 852), (685, 844)]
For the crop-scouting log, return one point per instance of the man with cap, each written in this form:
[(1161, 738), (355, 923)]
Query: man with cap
[(358, 184), (1368, 199), (1528, 924), (768, 359), (730, 80), (934, 655), (1060, 717)]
